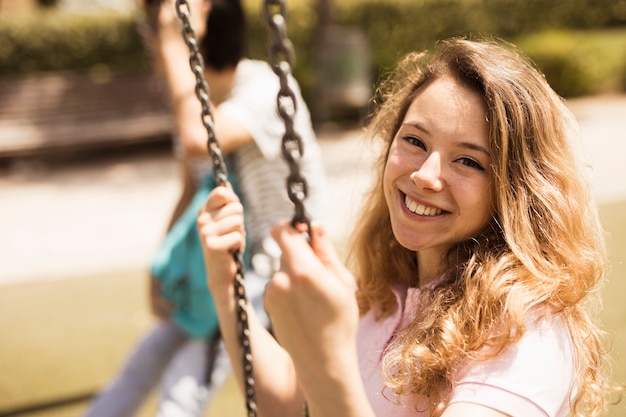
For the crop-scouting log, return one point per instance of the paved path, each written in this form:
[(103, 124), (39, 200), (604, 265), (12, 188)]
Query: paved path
[(77, 219)]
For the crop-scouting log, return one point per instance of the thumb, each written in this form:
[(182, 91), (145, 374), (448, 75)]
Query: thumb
[(325, 250)]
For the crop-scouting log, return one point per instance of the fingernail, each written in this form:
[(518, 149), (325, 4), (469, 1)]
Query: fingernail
[(318, 229)]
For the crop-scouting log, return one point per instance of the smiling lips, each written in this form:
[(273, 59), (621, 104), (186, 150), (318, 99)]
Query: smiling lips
[(421, 209)]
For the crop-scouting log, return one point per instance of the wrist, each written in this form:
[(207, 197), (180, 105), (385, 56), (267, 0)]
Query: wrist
[(222, 289), (343, 395), (335, 387)]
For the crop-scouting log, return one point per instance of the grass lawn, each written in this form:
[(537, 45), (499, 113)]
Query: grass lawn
[(62, 340), (67, 338), (614, 312)]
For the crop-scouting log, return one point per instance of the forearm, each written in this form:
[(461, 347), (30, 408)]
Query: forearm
[(316, 320), (173, 55), (277, 391), (336, 390)]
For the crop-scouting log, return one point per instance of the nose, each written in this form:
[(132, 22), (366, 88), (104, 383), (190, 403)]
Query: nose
[(428, 175)]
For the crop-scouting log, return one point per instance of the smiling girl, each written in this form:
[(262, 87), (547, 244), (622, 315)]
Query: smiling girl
[(477, 259)]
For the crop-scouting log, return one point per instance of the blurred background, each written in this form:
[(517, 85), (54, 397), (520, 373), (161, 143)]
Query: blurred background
[(88, 180)]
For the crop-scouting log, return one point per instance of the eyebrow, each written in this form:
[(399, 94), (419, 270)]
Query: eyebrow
[(418, 126), (473, 146), (466, 145)]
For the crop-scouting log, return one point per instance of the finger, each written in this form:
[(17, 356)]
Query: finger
[(228, 241), (299, 253), (222, 212), (322, 246), (231, 212), (227, 234), (220, 197), (297, 256), (325, 250), (285, 236)]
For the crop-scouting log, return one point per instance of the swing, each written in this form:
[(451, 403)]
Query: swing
[(281, 54)]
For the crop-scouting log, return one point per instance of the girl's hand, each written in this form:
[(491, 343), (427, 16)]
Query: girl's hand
[(311, 301), (161, 308), (221, 228)]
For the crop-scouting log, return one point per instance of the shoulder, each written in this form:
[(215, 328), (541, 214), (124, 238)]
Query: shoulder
[(531, 377), (254, 88), (257, 73), (250, 70)]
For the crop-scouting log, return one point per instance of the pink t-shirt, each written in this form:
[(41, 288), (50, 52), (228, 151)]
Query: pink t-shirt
[(530, 378)]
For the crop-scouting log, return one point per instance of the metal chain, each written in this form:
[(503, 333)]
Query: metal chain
[(281, 59), (221, 178), (281, 54)]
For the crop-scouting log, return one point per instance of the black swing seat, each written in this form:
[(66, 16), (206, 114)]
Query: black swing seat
[(67, 111)]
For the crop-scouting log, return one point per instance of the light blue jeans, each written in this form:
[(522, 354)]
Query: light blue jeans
[(179, 363)]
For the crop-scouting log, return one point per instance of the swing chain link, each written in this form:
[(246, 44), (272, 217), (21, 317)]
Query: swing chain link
[(202, 92), (220, 173), (281, 57)]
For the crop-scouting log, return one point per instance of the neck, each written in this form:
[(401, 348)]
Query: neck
[(220, 83), (429, 267)]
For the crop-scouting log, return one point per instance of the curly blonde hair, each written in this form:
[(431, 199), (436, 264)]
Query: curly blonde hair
[(543, 248)]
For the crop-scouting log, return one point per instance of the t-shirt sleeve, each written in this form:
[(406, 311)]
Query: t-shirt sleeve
[(253, 105), (531, 378)]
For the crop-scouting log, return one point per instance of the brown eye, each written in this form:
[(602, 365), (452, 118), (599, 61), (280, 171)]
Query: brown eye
[(471, 163), (415, 141)]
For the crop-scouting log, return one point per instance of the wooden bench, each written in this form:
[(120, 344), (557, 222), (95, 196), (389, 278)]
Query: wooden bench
[(68, 112)]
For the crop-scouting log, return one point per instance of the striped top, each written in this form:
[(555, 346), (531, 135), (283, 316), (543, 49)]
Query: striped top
[(259, 167)]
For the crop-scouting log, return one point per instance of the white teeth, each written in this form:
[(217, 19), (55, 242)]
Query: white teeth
[(421, 209)]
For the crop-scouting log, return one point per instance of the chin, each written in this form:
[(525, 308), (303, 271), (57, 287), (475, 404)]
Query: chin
[(408, 244)]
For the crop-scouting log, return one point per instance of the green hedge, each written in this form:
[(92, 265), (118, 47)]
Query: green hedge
[(568, 40), (579, 44), (52, 41), (579, 63)]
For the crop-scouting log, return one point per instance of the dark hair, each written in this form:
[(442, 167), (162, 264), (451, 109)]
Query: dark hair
[(224, 43)]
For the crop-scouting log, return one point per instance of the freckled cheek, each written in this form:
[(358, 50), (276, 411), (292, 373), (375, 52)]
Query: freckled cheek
[(398, 165), (481, 206)]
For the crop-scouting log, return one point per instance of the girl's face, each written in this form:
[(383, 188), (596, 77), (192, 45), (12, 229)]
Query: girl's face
[(438, 176)]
